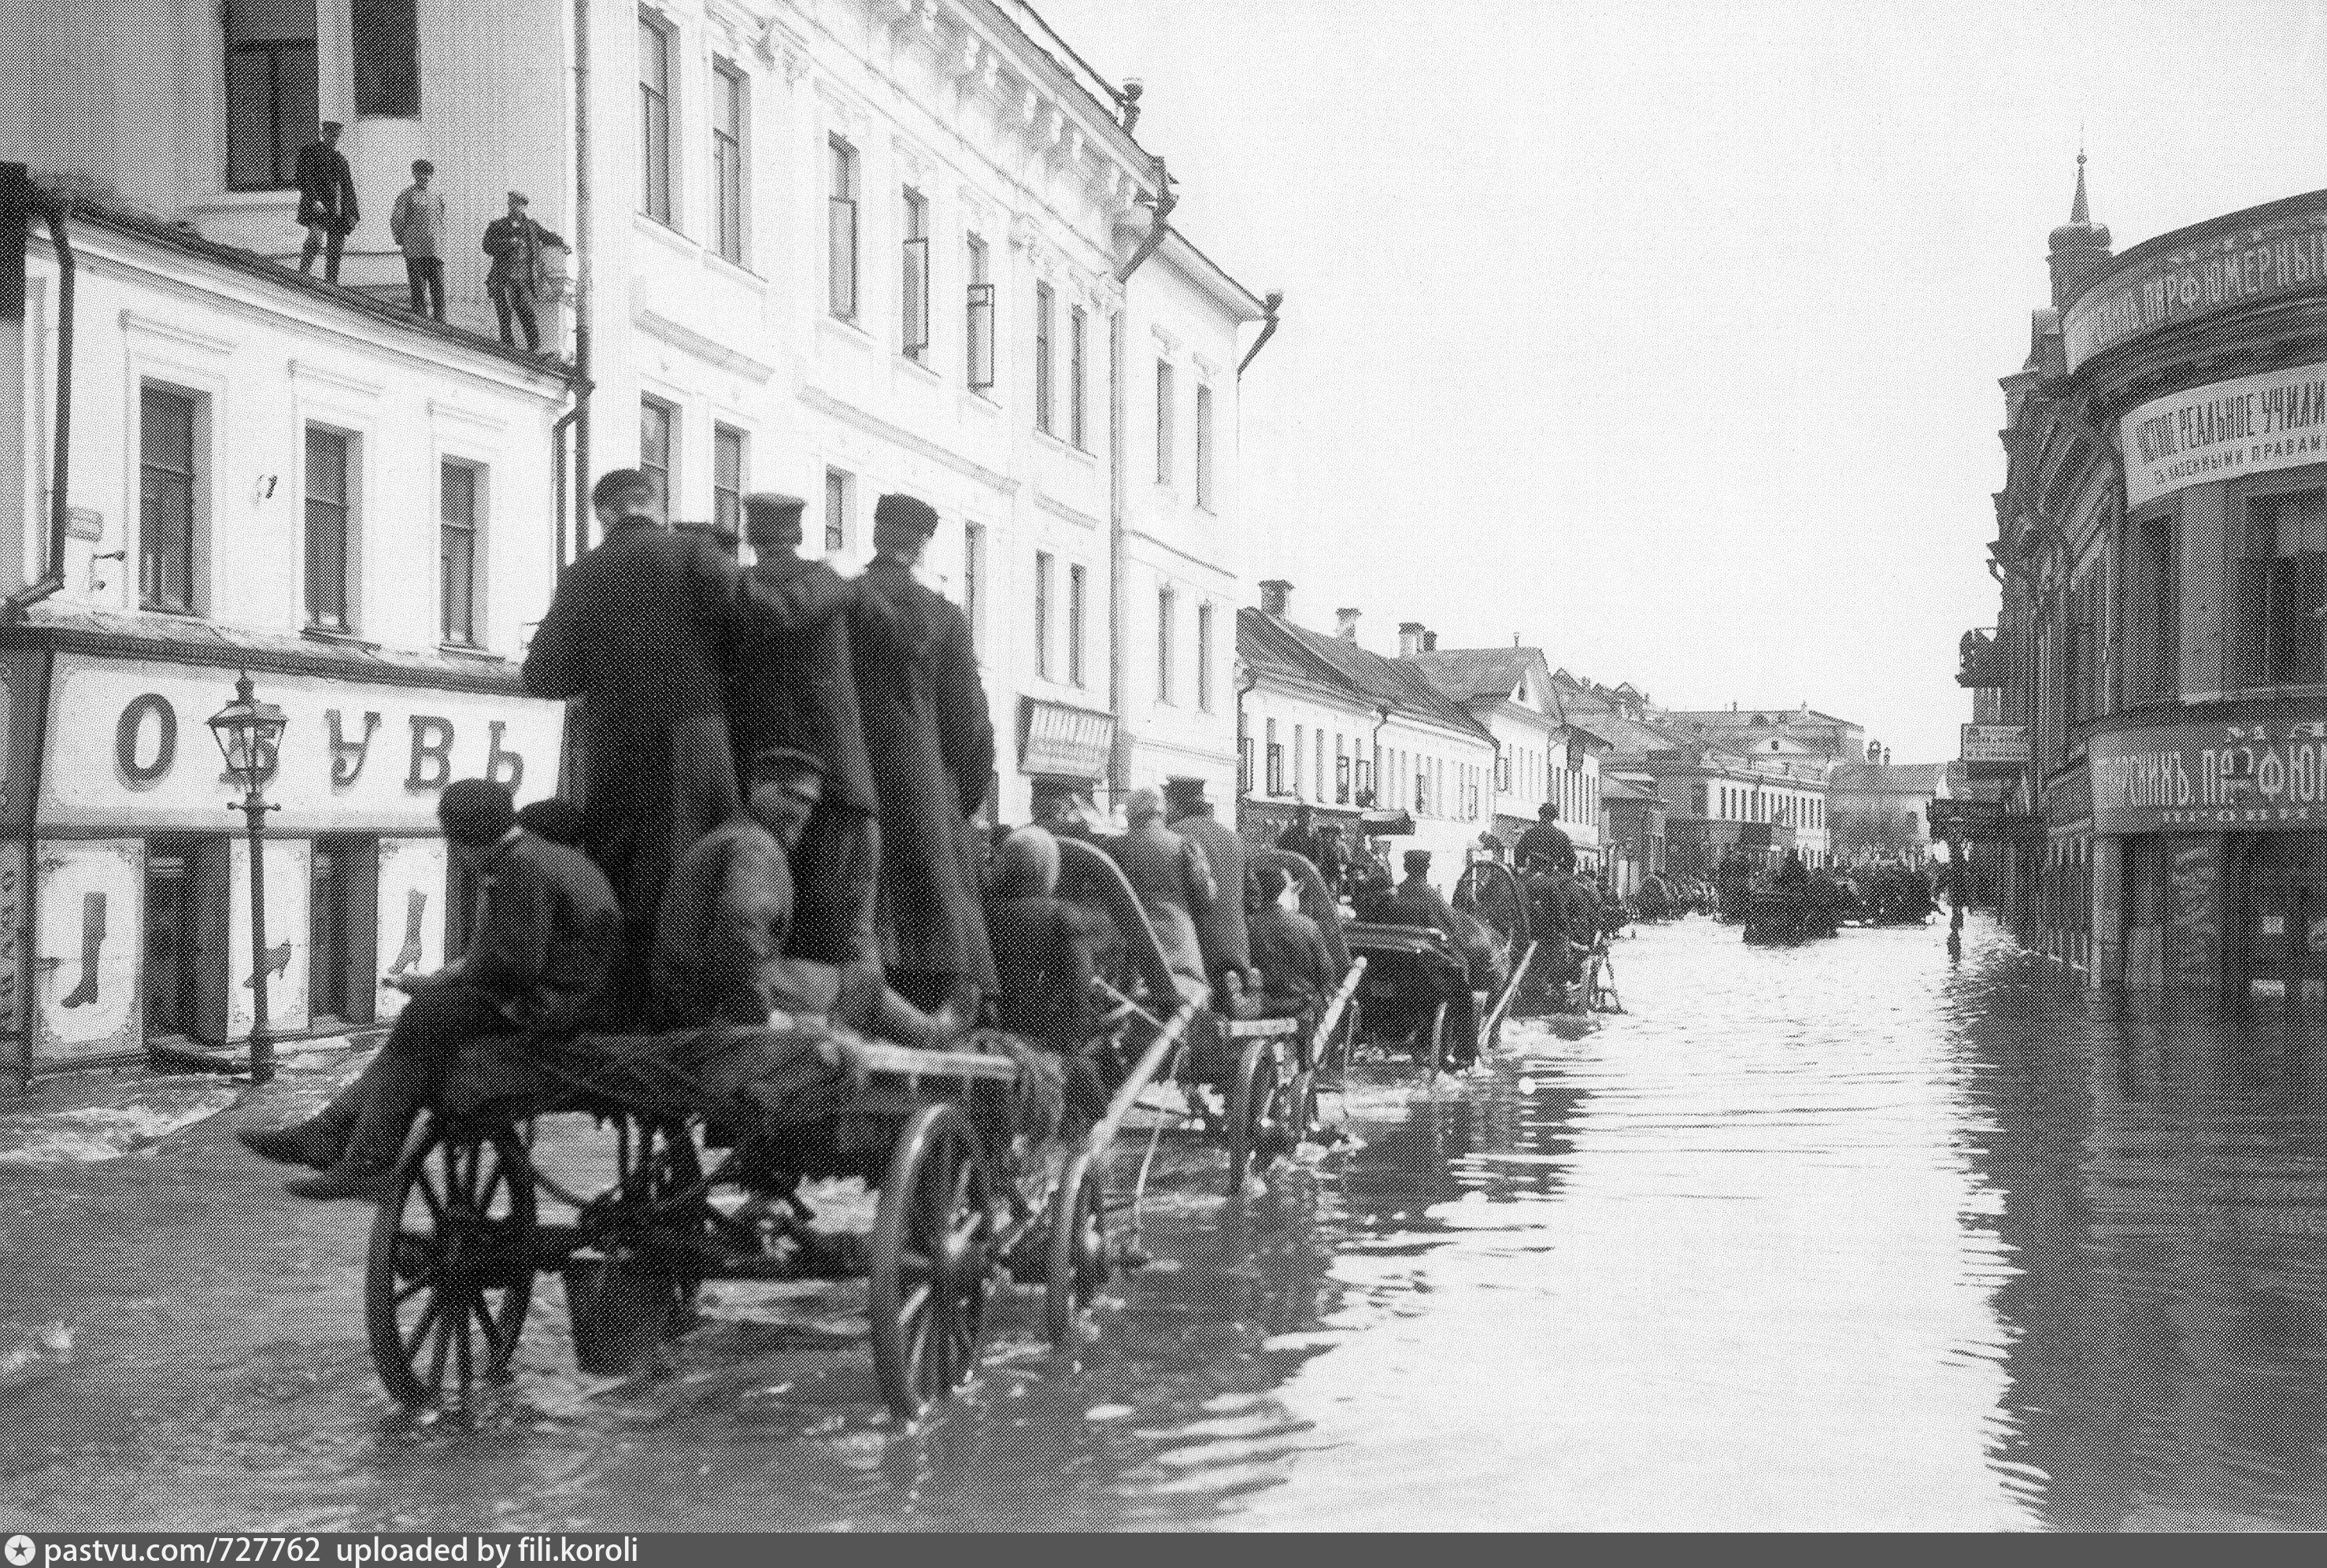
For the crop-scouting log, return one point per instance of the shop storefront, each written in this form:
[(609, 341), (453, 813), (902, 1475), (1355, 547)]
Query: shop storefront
[(124, 879)]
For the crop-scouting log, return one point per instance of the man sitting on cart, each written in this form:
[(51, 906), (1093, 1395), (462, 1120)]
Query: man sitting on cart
[(1296, 967), (548, 933), (720, 933)]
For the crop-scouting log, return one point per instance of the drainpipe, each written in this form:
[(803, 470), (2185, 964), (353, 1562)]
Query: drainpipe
[(1373, 785), (580, 413), (1118, 490), (56, 211), (1269, 309)]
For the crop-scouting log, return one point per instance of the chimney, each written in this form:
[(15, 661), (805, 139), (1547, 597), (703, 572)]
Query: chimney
[(1430, 642), (1276, 597), (1345, 624), (1409, 638), (1874, 753)]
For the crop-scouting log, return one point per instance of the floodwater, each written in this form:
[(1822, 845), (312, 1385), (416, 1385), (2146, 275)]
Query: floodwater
[(1847, 1236)]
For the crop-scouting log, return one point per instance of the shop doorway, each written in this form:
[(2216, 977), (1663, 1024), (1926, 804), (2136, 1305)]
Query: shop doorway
[(2282, 932), (342, 882), (173, 948)]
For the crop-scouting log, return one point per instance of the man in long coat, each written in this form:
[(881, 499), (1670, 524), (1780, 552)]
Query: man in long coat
[(1219, 929), (639, 630), (931, 742), (791, 683)]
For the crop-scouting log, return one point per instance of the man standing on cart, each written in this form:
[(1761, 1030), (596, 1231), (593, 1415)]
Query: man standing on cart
[(931, 742)]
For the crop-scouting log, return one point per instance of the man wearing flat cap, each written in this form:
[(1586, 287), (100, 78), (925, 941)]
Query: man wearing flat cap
[(791, 683), (515, 280), (931, 742)]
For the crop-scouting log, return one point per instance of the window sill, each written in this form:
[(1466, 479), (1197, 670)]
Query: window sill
[(919, 368), (666, 234), (471, 651), (734, 270), (982, 402), (337, 638), (846, 330)]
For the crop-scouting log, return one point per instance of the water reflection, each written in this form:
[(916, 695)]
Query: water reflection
[(2164, 1198)]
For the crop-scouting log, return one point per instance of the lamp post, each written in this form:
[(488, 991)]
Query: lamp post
[(249, 736)]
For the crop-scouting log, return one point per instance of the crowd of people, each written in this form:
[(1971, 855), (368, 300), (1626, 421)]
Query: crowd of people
[(329, 210)]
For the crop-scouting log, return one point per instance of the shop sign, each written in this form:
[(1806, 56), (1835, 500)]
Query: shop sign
[(2282, 254), (129, 744), (2223, 778), (1995, 743), (1063, 742), (2254, 425)]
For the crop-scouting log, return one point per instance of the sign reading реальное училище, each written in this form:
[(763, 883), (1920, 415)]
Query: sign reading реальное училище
[(2254, 425), (2218, 777)]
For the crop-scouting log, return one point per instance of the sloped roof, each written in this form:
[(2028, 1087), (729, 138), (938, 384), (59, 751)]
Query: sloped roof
[(1471, 675), (1614, 788), (1271, 641)]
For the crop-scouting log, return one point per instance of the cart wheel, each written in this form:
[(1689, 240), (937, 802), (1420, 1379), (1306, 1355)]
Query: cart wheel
[(450, 1272), (1437, 1045), (932, 1261), (658, 1170), (1079, 1262), (1259, 1115)]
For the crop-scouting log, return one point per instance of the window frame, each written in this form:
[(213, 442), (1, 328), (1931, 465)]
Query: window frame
[(1077, 614), (658, 117), (973, 583), (472, 529), (731, 183), (1045, 571), (843, 275), (187, 481), (840, 508), (1167, 392), (1204, 619), (1079, 377), (978, 316), (1045, 381), (1167, 613), (665, 474), (1205, 496), (913, 277), (384, 59), (290, 125), (728, 488), (342, 514)]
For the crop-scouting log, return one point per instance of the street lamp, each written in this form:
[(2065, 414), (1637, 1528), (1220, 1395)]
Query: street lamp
[(250, 737)]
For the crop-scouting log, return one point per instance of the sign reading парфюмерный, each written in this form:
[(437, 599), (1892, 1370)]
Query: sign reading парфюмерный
[(2254, 425), (2218, 778), (2281, 251)]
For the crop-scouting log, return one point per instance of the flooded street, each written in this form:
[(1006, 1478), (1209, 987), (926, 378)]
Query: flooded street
[(1843, 1235)]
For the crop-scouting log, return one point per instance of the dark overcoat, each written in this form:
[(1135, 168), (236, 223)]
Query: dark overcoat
[(638, 629), (929, 742), (1220, 930)]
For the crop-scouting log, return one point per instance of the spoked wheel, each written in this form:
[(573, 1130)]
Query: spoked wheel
[(1261, 1127), (932, 1261), (1080, 1266), (659, 1189), (449, 1273), (1438, 1043)]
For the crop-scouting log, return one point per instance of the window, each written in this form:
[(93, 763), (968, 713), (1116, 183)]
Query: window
[(343, 881), (1043, 573), (2152, 602), (1317, 767), (1244, 763), (658, 442), (731, 101), (1167, 608), (270, 91), (841, 238), (654, 117), (1045, 301), (1502, 773), (1163, 422), (978, 330), (169, 498), (331, 528), (386, 39), (1204, 659), (973, 581), (1275, 756), (460, 491), (1078, 608), (1340, 774), (1300, 757), (1204, 495), (915, 272), (2281, 589), (2080, 662), (1077, 376), (727, 451), (839, 507)]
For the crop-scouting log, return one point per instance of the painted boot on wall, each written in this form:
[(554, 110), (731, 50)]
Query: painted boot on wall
[(92, 940), (416, 903)]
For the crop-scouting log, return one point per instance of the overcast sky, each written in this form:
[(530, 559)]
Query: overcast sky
[(1666, 335)]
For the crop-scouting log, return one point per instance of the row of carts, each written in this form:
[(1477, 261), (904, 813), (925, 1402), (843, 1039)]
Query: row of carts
[(981, 1182)]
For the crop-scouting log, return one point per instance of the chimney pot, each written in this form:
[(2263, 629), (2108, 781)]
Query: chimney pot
[(1430, 642), (1276, 597), (1409, 638), (1345, 623)]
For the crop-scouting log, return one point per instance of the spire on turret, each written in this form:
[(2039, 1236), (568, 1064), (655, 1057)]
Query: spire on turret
[(2079, 245)]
